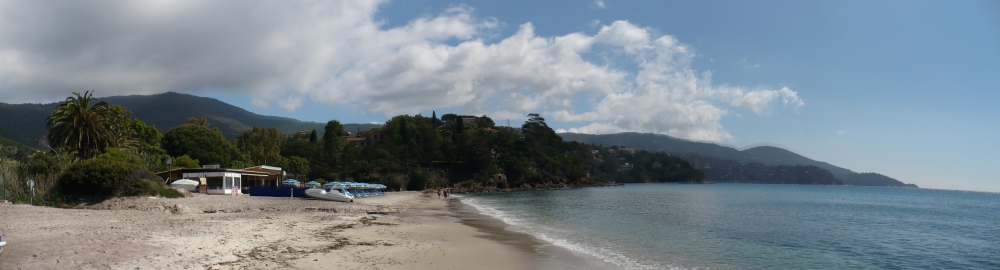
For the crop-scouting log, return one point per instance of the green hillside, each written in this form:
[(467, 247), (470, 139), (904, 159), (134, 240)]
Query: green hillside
[(24, 123), (11, 149), (766, 155)]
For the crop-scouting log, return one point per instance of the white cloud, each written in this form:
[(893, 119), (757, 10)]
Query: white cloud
[(599, 4), (338, 53)]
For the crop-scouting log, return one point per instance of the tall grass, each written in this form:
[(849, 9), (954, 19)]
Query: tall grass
[(14, 178)]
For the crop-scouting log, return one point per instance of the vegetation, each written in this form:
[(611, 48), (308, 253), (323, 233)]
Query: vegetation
[(97, 151), (746, 160), (102, 178), (101, 151), (24, 123), (85, 129), (416, 152), (726, 171), (874, 179), (198, 141), (15, 175), (262, 145), (11, 149), (628, 165)]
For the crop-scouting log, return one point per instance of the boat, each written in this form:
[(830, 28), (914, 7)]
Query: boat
[(186, 184), (332, 193)]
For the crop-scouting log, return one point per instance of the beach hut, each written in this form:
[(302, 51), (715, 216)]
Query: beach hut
[(291, 182), (313, 184), (218, 182)]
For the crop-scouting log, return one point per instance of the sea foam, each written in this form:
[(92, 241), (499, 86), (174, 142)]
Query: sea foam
[(561, 238)]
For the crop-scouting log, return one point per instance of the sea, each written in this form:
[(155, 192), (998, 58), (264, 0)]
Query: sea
[(752, 226)]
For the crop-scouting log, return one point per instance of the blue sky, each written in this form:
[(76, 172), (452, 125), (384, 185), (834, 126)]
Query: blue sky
[(902, 88)]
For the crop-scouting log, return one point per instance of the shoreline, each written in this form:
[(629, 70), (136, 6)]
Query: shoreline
[(548, 255), (403, 230)]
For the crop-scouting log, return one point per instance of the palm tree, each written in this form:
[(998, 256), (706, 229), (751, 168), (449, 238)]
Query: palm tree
[(75, 125)]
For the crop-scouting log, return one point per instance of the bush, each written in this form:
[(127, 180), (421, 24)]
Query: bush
[(418, 180), (171, 193), (107, 178)]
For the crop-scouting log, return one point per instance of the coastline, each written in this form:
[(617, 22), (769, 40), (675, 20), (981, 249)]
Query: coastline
[(547, 255), (403, 230)]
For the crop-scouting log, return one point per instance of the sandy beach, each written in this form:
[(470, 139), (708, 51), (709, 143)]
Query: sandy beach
[(403, 230)]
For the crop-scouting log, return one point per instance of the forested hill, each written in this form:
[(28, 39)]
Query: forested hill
[(24, 123), (765, 155), (10, 148)]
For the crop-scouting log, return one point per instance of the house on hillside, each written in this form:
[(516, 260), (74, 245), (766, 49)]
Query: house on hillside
[(625, 167), (468, 121), (373, 138)]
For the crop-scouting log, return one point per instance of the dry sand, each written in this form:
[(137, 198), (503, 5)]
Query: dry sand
[(403, 230)]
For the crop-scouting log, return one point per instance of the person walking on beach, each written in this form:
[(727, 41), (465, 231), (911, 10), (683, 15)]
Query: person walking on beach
[(439, 193), (445, 193)]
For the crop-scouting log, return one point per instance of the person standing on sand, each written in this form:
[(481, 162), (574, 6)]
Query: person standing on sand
[(445, 193), (439, 193)]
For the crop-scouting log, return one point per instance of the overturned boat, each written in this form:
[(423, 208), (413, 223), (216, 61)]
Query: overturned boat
[(185, 184), (330, 194)]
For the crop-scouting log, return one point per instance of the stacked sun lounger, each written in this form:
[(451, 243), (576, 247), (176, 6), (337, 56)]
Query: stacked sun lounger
[(357, 190)]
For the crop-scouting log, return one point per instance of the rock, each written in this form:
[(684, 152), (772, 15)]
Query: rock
[(181, 209)]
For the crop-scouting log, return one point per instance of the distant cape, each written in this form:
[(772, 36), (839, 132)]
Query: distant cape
[(702, 154)]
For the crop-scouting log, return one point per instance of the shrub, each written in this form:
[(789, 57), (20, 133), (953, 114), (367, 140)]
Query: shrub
[(171, 193), (418, 180), (102, 178), (115, 154)]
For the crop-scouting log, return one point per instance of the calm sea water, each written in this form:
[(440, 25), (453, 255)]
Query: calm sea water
[(742, 226)]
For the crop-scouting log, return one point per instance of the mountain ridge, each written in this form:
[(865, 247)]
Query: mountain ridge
[(765, 155), (24, 123)]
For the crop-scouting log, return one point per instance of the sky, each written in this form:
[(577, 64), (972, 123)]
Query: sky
[(902, 88)]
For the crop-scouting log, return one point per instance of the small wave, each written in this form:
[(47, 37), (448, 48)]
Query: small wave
[(539, 231)]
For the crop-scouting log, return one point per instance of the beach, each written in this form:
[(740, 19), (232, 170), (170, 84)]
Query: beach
[(402, 230)]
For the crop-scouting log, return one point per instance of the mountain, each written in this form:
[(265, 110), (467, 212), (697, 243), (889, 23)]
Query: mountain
[(10, 148), (765, 155), (728, 171), (24, 123)]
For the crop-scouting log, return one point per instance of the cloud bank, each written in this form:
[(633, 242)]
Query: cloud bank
[(337, 52)]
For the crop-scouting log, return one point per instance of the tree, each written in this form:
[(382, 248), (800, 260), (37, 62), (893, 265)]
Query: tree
[(312, 136), (434, 119), (485, 122), (146, 140), (263, 145), (333, 141), (297, 165), (200, 142), (115, 154), (76, 125), (186, 162), (459, 125)]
